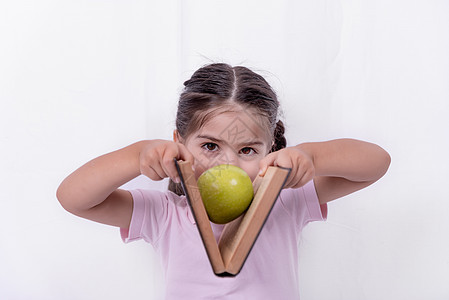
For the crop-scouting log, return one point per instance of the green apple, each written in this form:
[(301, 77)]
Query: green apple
[(227, 192)]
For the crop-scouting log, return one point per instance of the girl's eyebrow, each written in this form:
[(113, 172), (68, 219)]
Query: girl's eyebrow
[(252, 142)]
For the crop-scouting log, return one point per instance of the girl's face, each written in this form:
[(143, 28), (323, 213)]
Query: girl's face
[(235, 138)]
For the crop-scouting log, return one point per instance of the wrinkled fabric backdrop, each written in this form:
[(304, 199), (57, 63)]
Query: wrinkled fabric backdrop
[(82, 78)]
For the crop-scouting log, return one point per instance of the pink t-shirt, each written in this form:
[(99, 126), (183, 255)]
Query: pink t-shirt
[(164, 219)]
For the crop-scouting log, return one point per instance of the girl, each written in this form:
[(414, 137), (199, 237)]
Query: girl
[(226, 115)]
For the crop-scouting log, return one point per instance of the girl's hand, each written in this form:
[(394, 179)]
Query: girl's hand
[(301, 163), (156, 159)]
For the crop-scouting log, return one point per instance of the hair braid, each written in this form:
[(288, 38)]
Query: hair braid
[(280, 141)]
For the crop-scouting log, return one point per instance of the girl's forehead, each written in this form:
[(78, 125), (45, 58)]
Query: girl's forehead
[(235, 127)]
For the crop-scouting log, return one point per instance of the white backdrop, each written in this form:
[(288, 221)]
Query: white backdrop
[(82, 78)]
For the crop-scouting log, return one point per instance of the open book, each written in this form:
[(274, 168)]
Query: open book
[(238, 237)]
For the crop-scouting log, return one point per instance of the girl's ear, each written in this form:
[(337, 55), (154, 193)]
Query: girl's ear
[(176, 137)]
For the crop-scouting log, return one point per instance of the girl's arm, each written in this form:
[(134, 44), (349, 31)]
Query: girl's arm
[(344, 166), (92, 190)]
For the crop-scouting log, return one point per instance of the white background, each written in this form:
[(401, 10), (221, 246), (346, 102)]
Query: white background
[(82, 78)]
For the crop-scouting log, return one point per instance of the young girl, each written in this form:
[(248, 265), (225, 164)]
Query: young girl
[(226, 115)]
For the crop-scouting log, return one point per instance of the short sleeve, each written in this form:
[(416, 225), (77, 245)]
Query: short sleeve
[(303, 204), (149, 217)]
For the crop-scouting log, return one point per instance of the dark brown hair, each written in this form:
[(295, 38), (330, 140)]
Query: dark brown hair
[(217, 86)]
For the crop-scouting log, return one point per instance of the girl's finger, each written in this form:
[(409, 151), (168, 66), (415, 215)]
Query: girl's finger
[(170, 168), (185, 154), (296, 173), (266, 162), (152, 172), (178, 152), (305, 174), (286, 161), (168, 164), (295, 181)]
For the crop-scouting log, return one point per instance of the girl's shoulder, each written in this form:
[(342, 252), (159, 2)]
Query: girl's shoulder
[(158, 202), (154, 212), (303, 204)]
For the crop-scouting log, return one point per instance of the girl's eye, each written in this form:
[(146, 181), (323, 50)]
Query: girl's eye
[(247, 151), (210, 147)]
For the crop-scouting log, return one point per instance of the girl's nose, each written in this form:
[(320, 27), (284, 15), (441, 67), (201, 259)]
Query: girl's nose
[(229, 158)]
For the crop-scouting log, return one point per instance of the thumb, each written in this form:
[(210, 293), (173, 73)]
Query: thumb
[(266, 162), (185, 154)]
